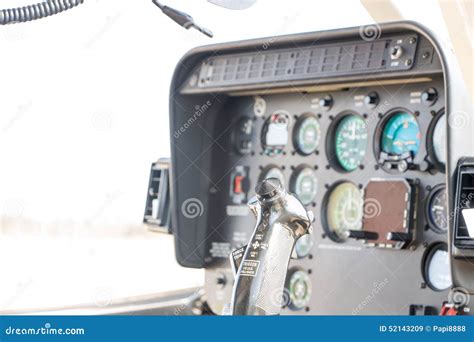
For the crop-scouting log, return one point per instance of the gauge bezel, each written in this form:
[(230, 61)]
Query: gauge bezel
[(376, 143), (307, 276), (265, 169), (299, 122), (330, 143), (293, 178), (264, 131), (425, 262), (324, 206), (441, 167), (433, 191)]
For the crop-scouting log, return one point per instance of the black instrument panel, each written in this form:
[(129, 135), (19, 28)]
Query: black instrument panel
[(366, 156)]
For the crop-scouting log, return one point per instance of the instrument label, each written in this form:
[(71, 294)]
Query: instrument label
[(249, 268)]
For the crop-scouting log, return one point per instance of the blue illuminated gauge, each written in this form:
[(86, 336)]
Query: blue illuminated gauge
[(350, 140), (304, 184), (401, 134), (307, 134)]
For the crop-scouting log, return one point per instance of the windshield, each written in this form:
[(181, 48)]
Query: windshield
[(84, 113)]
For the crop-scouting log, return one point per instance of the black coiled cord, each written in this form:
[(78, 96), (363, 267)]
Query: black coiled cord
[(36, 11)]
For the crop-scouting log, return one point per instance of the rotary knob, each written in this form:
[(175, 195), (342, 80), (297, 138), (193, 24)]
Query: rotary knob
[(429, 96), (326, 102), (371, 100)]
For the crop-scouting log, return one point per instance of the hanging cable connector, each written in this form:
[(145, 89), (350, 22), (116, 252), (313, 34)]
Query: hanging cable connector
[(183, 19)]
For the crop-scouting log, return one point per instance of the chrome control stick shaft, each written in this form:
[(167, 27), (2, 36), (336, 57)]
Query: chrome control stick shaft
[(261, 266)]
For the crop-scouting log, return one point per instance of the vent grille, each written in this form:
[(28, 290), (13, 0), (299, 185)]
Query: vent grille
[(309, 62)]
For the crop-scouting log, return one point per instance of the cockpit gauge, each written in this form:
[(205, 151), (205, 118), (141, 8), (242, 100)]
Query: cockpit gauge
[(304, 184), (272, 171), (303, 246), (436, 141), (344, 211), (401, 134), (298, 289), (436, 209), (349, 142), (307, 134), (275, 133), (436, 267)]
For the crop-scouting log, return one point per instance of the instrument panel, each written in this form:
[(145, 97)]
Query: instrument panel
[(369, 175), (367, 157)]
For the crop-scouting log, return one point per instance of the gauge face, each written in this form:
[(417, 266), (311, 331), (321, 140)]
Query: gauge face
[(299, 287), (437, 209), (272, 171), (303, 246), (439, 140), (307, 134), (401, 134), (436, 268), (350, 141), (304, 184), (344, 210), (275, 133)]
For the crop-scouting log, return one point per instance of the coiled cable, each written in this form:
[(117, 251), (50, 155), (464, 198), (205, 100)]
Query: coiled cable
[(36, 11)]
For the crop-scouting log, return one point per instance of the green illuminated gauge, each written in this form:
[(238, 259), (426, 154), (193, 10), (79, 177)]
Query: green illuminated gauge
[(307, 134), (401, 134), (298, 289), (303, 246), (344, 211), (350, 141), (272, 171), (304, 184)]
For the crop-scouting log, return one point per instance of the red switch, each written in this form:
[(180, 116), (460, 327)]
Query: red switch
[(238, 184)]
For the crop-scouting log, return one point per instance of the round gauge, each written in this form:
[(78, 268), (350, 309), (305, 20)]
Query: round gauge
[(298, 288), (306, 134), (303, 246), (350, 140), (275, 133), (304, 184), (272, 171), (436, 209), (436, 268), (437, 142), (344, 211), (401, 134)]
